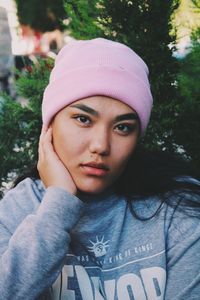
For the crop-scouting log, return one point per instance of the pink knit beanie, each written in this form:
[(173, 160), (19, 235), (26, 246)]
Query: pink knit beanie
[(98, 67)]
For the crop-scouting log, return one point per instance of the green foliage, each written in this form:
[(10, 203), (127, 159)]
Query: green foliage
[(187, 127), (20, 125), (83, 18), (196, 3), (40, 15)]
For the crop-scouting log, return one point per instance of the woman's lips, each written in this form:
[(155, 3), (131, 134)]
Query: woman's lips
[(95, 169)]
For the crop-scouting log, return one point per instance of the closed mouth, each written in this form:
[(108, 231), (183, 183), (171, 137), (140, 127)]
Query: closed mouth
[(96, 165)]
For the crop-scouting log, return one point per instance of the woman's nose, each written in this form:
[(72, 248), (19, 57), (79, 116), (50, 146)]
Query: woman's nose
[(100, 142)]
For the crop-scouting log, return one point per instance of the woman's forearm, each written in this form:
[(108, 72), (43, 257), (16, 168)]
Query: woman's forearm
[(35, 253)]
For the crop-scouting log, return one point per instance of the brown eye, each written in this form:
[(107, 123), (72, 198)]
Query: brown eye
[(125, 129), (83, 119)]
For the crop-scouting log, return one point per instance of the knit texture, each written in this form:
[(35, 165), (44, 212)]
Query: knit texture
[(98, 67)]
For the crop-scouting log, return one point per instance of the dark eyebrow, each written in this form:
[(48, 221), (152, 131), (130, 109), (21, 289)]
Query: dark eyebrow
[(128, 116), (86, 109)]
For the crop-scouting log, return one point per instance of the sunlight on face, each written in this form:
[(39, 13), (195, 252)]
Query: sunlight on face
[(94, 138)]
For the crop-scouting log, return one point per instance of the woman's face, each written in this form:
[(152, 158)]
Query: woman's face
[(94, 138)]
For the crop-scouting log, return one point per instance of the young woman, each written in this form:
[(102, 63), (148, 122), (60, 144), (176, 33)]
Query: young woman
[(104, 219)]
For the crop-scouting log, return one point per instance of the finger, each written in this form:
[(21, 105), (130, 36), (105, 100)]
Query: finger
[(47, 146), (44, 128), (48, 137), (42, 134)]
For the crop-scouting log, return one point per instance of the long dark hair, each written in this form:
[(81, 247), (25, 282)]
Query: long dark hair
[(163, 175), (154, 174)]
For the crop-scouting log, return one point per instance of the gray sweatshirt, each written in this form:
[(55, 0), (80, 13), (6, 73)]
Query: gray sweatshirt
[(54, 245)]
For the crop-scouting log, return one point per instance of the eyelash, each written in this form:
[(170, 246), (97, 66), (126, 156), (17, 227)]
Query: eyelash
[(129, 127), (78, 118)]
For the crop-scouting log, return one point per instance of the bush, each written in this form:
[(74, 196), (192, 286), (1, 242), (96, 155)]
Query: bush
[(20, 126)]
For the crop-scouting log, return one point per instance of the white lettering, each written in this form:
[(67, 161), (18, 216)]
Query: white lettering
[(109, 286), (154, 281), (84, 283), (127, 253), (132, 283), (97, 288), (67, 271)]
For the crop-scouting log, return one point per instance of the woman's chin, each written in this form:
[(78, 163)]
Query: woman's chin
[(92, 189), (92, 185)]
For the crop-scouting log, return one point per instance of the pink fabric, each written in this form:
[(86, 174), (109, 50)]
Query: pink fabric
[(98, 67)]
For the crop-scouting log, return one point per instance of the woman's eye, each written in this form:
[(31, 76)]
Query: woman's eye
[(82, 119), (124, 128)]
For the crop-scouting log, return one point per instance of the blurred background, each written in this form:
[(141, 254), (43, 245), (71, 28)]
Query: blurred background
[(29, 30), (165, 33)]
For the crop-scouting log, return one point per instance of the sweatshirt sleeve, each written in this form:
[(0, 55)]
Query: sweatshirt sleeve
[(183, 258), (32, 256)]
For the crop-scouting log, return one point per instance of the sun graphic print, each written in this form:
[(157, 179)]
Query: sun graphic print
[(99, 248)]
